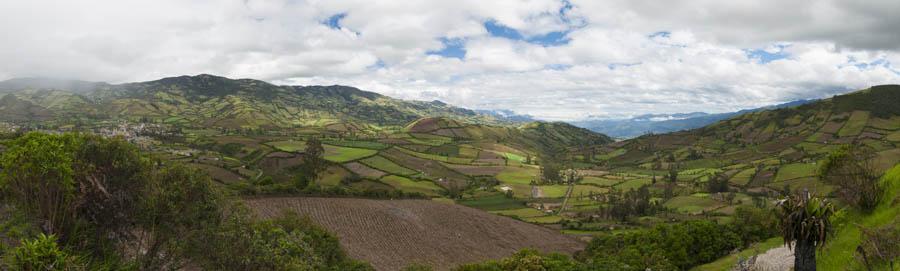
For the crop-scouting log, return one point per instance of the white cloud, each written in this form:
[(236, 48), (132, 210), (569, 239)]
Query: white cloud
[(612, 65)]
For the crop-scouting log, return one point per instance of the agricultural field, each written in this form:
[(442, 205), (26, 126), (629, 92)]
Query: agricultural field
[(517, 175), (288, 145), (794, 171), (418, 231), (407, 185), (383, 164), (344, 154)]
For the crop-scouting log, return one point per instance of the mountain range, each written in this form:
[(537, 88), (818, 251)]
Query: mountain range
[(213, 101), (664, 123)]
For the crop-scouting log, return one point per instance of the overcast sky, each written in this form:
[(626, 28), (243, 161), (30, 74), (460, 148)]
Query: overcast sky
[(557, 60)]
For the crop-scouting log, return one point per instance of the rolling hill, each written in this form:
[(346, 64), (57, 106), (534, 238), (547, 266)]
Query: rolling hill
[(213, 101), (870, 117)]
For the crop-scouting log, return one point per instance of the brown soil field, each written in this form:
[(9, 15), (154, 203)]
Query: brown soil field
[(392, 234), (281, 154), (487, 157), (274, 165), (445, 132), (219, 174), (780, 144), (832, 127), (425, 125), (762, 178), (476, 170), (432, 169), (363, 170)]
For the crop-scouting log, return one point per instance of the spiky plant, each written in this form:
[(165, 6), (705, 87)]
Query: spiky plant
[(804, 222)]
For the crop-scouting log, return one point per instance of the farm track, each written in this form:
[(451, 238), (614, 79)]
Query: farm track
[(392, 234)]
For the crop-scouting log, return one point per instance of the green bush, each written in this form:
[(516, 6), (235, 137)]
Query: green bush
[(103, 198), (288, 242), (526, 260), (41, 253), (664, 247)]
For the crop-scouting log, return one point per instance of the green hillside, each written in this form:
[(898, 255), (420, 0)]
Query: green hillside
[(212, 101)]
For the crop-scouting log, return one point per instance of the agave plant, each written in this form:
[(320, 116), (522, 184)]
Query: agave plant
[(805, 224)]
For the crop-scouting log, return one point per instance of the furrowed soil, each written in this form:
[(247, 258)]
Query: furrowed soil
[(392, 234)]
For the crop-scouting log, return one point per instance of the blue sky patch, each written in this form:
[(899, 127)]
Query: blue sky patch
[(378, 65), (763, 57), (554, 38), (661, 34), (498, 30), (334, 21), (558, 67), (454, 48)]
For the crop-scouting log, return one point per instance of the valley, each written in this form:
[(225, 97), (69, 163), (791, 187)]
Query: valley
[(427, 168)]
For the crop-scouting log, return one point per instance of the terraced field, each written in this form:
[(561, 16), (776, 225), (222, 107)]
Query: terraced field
[(392, 234)]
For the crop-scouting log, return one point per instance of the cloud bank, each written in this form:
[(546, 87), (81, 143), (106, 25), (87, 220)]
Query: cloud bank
[(554, 59)]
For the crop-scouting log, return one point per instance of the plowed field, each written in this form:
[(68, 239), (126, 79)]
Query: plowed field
[(391, 234)]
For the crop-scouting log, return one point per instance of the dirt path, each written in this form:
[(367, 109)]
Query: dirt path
[(776, 259)]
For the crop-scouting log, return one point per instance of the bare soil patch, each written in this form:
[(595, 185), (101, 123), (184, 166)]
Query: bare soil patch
[(363, 170)]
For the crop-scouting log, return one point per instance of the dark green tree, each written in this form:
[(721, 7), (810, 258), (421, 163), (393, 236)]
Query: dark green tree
[(314, 163)]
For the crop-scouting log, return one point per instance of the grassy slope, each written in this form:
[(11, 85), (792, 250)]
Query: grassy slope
[(839, 252), (727, 262)]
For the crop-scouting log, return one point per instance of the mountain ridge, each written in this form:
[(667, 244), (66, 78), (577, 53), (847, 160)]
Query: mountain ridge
[(664, 123), (208, 99)]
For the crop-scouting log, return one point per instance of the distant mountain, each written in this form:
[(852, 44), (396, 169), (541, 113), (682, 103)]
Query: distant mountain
[(664, 123), (507, 115), (214, 101)]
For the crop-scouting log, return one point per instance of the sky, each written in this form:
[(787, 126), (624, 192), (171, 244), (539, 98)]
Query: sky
[(553, 59)]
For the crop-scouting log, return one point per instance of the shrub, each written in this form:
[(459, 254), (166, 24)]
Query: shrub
[(288, 242), (852, 169), (528, 259), (41, 253), (880, 245), (753, 224), (664, 247)]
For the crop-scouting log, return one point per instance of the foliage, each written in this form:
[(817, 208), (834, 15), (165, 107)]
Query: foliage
[(805, 224), (717, 184), (880, 244), (753, 224), (39, 178), (313, 163), (230, 149), (663, 247), (850, 224), (105, 199), (41, 253), (634, 202), (852, 169), (527, 260), (288, 242), (177, 206)]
